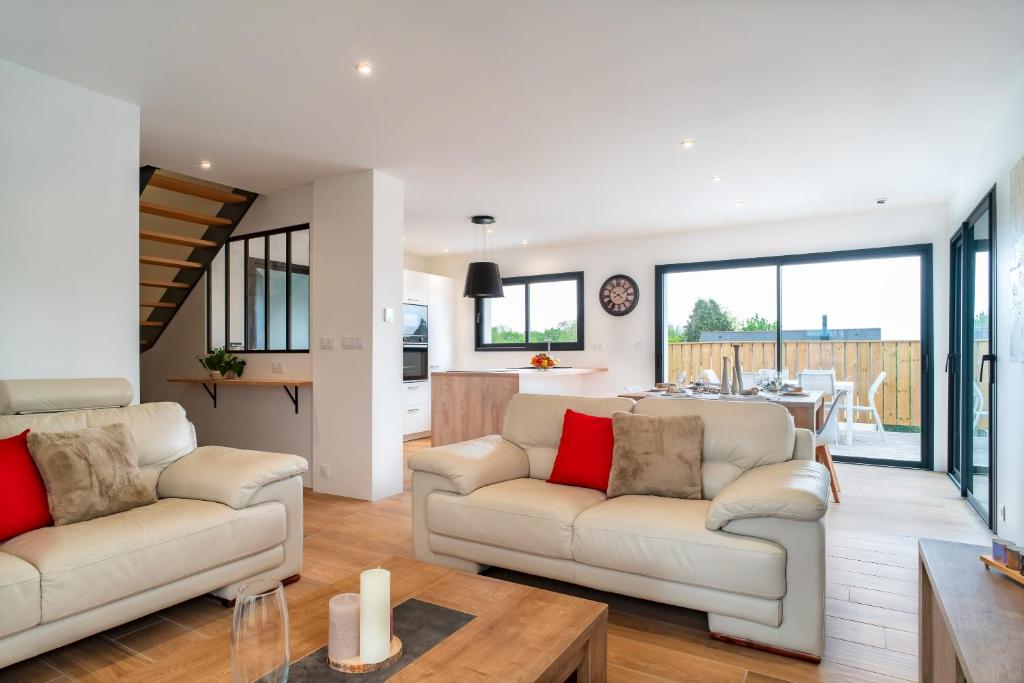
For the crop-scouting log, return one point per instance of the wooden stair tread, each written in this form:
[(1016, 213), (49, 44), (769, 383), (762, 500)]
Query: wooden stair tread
[(168, 238), (181, 214), (151, 323), (163, 283), (169, 262), (157, 304), (195, 189)]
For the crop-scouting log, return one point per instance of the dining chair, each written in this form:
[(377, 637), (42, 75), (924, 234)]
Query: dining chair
[(871, 408), (749, 379), (710, 376), (768, 374), (827, 435), (818, 380)]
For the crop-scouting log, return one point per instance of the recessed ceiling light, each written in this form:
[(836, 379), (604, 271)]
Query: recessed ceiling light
[(364, 68), (524, 243), (687, 143), (716, 178), (205, 164), (445, 250), (737, 203)]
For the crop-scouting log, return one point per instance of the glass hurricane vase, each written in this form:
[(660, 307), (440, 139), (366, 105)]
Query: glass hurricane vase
[(259, 634)]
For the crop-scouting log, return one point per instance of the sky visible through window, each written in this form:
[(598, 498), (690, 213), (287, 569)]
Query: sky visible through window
[(867, 293), (552, 310)]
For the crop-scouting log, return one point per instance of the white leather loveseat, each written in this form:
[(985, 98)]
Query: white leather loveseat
[(751, 554), (223, 517)]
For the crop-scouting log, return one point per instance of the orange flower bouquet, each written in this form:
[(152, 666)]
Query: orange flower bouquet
[(542, 361)]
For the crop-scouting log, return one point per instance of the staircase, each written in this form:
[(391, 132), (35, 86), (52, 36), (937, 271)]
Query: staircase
[(183, 223)]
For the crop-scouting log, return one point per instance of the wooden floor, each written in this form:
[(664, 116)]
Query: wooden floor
[(871, 607)]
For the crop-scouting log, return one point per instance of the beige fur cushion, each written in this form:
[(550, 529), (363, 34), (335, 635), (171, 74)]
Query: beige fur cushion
[(658, 456), (89, 472)]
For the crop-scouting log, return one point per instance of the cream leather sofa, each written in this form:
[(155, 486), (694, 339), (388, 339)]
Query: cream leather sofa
[(751, 554), (223, 517)]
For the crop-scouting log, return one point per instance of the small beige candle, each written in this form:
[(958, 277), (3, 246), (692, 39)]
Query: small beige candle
[(343, 634)]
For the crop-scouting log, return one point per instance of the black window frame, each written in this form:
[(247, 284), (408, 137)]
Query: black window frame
[(528, 280), (288, 267), (922, 251)]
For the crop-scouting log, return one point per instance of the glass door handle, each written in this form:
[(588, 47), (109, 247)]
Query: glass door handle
[(987, 358), (950, 357)]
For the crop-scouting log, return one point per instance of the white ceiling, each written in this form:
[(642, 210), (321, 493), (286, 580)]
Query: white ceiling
[(562, 118)]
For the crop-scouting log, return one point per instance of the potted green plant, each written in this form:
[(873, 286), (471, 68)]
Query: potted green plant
[(220, 363)]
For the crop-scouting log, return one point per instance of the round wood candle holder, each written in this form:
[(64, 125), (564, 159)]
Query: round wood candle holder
[(355, 665)]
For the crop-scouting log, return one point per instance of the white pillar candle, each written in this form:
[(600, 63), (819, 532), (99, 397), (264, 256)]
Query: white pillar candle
[(343, 634), (374, 615)]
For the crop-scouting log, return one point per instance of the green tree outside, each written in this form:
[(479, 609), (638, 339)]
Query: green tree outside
[(707, 316)]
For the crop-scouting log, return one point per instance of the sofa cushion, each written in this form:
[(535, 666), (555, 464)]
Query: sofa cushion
[(658, 456), (737, 435), (92, 563), (161, 431), (89, 472), (23, 504), (534, 423), (19, 595), (528, 515), (584, 455), (665, 538)]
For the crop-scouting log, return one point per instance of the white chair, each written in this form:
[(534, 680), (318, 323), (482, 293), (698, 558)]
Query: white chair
[(827, 435), (749, 379), (818, 380), (979, 404), (710, 376), (768, 374), (870, 407)]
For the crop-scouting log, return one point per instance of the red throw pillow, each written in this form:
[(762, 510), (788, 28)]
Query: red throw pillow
[(585, 451), (23, 505)]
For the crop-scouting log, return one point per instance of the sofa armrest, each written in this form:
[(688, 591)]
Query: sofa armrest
[(472, 464), (803, 447), (795, 489), (226, 475)]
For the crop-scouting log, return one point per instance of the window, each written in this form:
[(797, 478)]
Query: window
[(258, 291), (534, 311)]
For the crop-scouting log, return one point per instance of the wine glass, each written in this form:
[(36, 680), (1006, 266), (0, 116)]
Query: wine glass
[(259, 633)]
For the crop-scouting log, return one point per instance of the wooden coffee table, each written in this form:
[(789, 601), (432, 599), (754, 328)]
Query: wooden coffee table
[(519, 633)]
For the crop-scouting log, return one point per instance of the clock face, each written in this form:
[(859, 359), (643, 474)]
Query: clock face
[(619, 295)]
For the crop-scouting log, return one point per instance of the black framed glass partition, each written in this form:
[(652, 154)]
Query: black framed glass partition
[(258, 292), (856, 325)]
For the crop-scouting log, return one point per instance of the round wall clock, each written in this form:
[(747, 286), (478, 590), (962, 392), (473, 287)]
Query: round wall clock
[(619, 295)]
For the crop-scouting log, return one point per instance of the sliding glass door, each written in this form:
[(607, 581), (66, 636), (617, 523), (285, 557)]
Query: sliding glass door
[(970, 365), (855, 325)]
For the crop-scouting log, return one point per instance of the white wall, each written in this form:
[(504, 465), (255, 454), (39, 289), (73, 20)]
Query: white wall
[(258, 418), (628, 342), (69, 170), (991, 160), (356, 250)]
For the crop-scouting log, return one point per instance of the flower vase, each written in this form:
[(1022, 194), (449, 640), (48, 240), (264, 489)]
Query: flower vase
[(725, 388), (737, 378)]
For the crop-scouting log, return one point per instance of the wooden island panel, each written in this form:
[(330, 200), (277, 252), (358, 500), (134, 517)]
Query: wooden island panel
[(467, 405)]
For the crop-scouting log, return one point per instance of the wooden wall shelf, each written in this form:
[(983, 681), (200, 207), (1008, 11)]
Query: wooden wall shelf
[(210, 385)]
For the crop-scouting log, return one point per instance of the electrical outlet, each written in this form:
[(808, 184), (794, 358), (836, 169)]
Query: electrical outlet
[(277, 367), (325, 471), (327, 343)]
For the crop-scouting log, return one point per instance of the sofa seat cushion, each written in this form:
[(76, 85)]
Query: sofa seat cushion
[(528, 515), (92, 563), (19, 595), (665, 538)]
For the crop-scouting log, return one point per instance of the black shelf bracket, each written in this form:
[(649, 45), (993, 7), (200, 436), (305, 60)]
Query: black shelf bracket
[(212, 392), (294, 398)]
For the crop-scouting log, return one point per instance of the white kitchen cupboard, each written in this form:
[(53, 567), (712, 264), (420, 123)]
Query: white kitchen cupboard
[(438, 293)]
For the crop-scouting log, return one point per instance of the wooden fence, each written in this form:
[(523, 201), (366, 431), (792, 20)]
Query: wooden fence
[(898, 399)]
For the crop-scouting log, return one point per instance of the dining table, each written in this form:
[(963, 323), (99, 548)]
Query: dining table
[(807, 409)]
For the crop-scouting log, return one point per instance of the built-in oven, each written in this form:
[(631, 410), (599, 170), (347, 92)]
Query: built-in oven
[(414, 324), (414, 363)]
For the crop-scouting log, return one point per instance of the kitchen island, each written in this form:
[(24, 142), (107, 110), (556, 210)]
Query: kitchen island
[(468, 404)]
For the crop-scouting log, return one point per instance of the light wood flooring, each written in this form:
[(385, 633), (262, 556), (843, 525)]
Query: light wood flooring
[(871, 607)]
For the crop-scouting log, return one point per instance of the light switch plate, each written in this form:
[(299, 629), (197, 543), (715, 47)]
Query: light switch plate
[(352, 343), (277, 367), (327, 343)]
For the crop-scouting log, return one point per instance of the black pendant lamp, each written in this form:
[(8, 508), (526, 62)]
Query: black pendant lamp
[(483, 279)]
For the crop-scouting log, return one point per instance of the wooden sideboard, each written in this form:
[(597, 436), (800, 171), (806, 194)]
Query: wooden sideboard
[(971, 619)]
